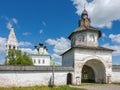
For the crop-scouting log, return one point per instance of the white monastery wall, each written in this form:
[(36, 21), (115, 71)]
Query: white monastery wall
[(33, 75), (116, 74), (25, 78)]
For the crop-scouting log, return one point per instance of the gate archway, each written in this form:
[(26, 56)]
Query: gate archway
[(93, 71), (88, 74)]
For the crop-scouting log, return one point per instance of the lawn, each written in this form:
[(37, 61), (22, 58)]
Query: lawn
[(42, 88), (117, 83)]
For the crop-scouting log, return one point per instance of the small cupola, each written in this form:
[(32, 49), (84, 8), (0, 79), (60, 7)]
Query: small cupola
[(84, 13), (41, 44), (84, 21)]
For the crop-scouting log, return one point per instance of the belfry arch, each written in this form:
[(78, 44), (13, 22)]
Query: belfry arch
[(93, 70)]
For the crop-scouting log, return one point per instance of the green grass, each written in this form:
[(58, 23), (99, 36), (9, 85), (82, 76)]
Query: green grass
[(42, 88), (117, 83)]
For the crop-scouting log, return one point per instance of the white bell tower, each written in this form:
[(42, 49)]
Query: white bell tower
[(12, 42)]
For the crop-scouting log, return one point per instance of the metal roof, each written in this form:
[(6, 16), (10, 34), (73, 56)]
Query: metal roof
[(85, 29), (88, 47)]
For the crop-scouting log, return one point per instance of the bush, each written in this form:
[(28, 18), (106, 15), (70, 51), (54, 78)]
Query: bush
[(16, 57)]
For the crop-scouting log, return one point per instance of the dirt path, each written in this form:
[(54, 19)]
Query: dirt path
[(100, 87)]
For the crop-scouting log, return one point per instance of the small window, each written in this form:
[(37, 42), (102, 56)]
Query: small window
[(81, 38), (92, 37), (34, 61), (13, 47), (39, 61), (43, 61), (9, 47)]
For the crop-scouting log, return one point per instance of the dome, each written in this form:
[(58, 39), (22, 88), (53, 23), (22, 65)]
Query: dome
[(41, 44), (84, 12)]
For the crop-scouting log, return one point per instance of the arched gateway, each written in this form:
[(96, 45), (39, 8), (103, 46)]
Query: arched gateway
[(93, 71)]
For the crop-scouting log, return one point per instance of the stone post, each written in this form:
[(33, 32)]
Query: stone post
[(108, 79), (78, 80)]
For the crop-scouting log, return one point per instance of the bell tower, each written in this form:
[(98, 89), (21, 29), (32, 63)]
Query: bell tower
[(12, 42)]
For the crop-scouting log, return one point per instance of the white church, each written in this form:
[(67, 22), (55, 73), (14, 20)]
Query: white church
[(41, 57), (85, 61)]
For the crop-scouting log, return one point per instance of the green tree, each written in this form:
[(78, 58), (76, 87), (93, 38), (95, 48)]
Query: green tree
[(16, 57)]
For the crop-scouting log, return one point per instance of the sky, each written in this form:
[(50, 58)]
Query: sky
[(54, 20)]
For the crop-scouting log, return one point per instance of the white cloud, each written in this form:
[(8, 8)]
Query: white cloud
[(24, 43), (114, 47), (43, 22), (104, 35), (115, 38), (41, 31), (26, 33), (116, 41), (14, 20), (56, 56), (27, 50), (3, 45), (60, 46), (11, 22), (5, 17), (9, 25), (101, 12)]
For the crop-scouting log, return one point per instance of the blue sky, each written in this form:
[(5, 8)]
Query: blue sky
[(57, 19)]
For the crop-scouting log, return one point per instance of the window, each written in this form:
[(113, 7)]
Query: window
[(39, 61), (9, 47), (34, 61), (43, 61), (13, 47), (81, 38), (92, 38)]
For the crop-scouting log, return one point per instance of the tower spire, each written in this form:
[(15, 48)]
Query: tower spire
[(40, 36), (84, 6), (12, 42), (41, 43)]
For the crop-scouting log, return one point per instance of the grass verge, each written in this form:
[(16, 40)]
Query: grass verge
[(42, 88), (117, 83)]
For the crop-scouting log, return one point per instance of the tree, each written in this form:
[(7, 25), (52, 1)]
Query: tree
[(16, 57)]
